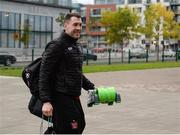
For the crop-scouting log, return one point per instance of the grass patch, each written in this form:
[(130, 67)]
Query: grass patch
[(10, 71), (132, 66)]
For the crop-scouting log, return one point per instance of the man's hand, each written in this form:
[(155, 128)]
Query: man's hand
[(47, 109)]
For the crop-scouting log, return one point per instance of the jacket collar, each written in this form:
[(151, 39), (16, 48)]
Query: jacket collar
[(68, 39)]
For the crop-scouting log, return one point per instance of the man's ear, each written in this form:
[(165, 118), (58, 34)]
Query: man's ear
[(65, 25)]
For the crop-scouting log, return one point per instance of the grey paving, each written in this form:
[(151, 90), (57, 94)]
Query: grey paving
[(150, 104)]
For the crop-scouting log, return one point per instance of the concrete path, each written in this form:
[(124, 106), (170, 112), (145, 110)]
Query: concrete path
[(150, 104)]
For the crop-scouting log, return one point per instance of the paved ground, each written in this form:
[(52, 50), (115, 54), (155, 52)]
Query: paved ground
[(150, 104)]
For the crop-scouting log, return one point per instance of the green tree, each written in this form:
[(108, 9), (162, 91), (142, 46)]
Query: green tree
[(121, 25), (159, 22), (60, 19)]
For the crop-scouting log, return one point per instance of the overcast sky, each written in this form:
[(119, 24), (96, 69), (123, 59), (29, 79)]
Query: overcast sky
[(84, 1)]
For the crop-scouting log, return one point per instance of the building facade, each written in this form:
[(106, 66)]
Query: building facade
[(95, 36), (175, 6), (39, 16)]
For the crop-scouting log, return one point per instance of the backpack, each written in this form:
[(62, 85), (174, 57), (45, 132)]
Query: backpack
[(30, 76)]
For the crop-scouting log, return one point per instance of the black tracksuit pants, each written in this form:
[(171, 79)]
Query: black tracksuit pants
[(68, 115)]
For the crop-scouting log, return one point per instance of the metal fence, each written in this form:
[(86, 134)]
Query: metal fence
[(110, 57)]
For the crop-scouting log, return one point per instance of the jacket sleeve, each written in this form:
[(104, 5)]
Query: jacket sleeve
[(86, 84), (50, 58)]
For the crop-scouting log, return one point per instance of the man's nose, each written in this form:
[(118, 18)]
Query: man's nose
[(79, 27)]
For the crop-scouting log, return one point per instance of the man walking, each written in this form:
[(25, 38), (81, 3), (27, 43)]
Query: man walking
[(61, 79)]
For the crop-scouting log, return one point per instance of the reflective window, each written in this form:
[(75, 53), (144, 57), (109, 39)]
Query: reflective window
[(37, 40), (134, 1), (16, 37), (43, 40), (31, 40), (65, 2), (37, 23), (96, 11), (5, 17), (17, 21), (10, 23), (49, 24), (49, 37), (43, 23), (49, 1), (33, 0), (10, 30), (52, 2), (31, 22), (4, 39), (42, 30), (11, 40)]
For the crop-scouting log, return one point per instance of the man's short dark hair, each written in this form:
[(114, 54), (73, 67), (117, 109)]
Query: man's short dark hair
[(69, 15)]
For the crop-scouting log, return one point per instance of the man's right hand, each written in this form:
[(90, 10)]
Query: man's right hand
[(47, 109)]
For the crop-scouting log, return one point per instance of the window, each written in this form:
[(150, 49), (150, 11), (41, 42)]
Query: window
[(83, 13), (119, 1), (49, 37), (5, 18), (9, 24), (37, 40), (43, 23), (43, 40), (4, 39), (11, 41), (33, 0), (83, 20), (31, 41), (17, 21), (49, 24), (37, 23), (96, 29), (41, 30), (134, 1), (10, 30), (95, 11), (83, 30), (29, 20), (110, 2), (11, 21)]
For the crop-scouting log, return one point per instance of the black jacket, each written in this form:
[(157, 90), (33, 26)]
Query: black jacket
[(61, 69)]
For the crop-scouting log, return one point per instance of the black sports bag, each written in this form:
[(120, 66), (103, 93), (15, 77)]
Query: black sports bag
[(30, 75)]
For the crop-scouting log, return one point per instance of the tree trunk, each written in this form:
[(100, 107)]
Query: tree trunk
[(157, 52)]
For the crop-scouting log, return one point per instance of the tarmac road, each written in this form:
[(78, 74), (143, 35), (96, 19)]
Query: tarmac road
[(150, 104)]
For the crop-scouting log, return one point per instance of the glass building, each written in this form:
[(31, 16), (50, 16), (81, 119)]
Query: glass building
[(40, 30), (35, 17)]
